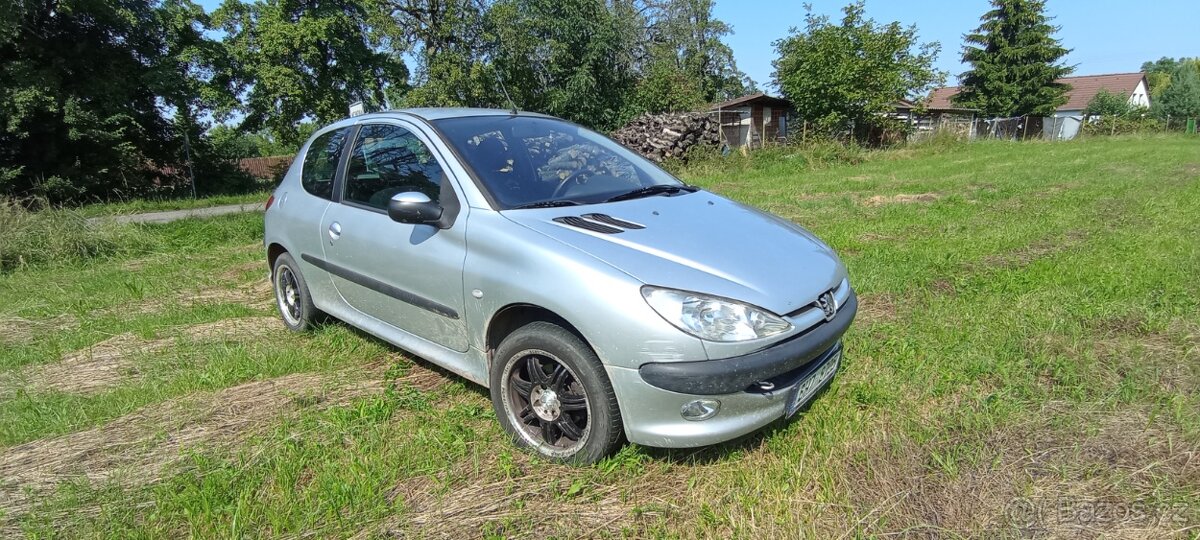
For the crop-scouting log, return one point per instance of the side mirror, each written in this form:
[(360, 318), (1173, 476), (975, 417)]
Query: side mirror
[(414, 207)]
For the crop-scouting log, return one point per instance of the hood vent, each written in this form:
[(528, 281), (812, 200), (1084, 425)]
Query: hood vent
[(581, 223), (609, 220), (601, 223)]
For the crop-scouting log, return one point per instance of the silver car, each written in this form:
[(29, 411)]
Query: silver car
[(597, 297)]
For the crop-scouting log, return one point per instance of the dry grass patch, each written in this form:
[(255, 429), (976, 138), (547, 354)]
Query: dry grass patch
[(16, 330), (1041, 249), (114, 360), (136, 449), (1015, 480), (536, 499), (902, 198), (877, 307)]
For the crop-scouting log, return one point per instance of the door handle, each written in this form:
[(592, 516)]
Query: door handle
[(335, 230)]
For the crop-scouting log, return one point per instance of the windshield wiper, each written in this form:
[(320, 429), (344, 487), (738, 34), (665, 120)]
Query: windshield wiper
[(653, 190), (547, 204)]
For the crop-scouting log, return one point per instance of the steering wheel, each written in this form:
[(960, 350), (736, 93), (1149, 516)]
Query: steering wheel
[(561, 188)]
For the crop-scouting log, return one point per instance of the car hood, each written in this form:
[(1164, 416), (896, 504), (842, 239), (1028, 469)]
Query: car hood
[(699, 242)]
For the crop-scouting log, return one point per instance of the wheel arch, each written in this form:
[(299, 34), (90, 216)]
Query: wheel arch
[(509, 318), (274, 250)]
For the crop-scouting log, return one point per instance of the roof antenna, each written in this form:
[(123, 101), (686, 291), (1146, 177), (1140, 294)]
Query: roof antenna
[(512, 107)]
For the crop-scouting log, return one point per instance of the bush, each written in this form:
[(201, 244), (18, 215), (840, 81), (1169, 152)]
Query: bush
[(54, 235), (1133, 122)]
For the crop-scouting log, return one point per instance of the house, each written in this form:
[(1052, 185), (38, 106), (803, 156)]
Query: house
[(752, 119), (1067, 119)]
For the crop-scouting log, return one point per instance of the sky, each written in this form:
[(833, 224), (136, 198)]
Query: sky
[(1106, 36)]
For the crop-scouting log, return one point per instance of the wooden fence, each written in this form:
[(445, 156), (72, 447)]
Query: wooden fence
[(266, 168)]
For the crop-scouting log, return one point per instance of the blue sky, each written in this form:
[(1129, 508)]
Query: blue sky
[(1106, 36)]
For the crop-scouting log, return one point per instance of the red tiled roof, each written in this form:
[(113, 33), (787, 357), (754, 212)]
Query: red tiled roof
[(1083, 89)]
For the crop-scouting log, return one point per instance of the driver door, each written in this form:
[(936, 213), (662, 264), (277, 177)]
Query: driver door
[(409, 276)]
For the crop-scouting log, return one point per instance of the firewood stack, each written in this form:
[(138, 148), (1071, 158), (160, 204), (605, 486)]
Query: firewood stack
[(660, 136)]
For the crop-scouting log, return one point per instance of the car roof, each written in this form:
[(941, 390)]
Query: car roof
[(439, 113)]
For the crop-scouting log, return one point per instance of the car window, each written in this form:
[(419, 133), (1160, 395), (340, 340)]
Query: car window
[(387, 160), (526, 160), (320, 164)]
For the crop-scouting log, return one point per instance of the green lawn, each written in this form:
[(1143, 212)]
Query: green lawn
[(1026, 362)]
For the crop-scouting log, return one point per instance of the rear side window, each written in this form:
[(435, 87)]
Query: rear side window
[(387, 160), (320, 164)]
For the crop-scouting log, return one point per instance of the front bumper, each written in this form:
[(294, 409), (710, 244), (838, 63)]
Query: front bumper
[(652, 395)]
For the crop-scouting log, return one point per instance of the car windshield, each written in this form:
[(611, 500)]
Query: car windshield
[(525, 161)]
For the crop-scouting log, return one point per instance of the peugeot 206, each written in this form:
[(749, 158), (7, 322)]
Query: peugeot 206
[(597, 297)]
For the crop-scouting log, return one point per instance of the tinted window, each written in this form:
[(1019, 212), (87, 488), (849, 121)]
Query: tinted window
[(387, 160), (523, 160), (320, 164)]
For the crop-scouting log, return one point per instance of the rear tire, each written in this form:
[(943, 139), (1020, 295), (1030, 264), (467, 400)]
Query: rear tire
[(552, 396), (291, 295)]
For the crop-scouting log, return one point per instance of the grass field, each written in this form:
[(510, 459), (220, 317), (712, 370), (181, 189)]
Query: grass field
[(1026, 363)]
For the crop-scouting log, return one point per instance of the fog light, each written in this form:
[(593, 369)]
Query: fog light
[(700, 409)]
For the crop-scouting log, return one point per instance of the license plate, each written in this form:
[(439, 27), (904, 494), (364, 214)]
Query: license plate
[(804, 391)]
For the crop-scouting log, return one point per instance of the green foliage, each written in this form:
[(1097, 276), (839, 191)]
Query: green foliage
[(447, 40), (1159, 73), (1106, 103), (1015, 61), (685, 35), (852, 72), (570, 58), (79, 83), (298, 61), (665, 87), (231, 143), (1181, 99)]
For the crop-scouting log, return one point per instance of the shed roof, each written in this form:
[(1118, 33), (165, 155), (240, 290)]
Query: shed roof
[(759, 98), (1082, 90)]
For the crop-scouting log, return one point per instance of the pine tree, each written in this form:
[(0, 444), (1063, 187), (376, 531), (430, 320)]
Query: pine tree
[(1015, 61)]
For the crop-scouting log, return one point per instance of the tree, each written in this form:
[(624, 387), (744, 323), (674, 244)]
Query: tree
[(569, 58), (306, 60), (1159, 73), (446, 38), (852, 73), (1106, 103), (685, 39), (1181, 99), (1015, 62), (89, 94)]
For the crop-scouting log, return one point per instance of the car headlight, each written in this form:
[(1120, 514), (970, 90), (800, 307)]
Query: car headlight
[(712, 318)]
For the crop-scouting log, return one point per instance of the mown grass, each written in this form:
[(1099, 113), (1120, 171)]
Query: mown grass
[(1028, 340)]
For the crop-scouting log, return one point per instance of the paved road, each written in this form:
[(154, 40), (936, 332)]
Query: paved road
[(175, 215)]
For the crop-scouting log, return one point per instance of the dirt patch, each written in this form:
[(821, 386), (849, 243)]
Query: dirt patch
[(16, 330), (877, 307), (113, 360), (1015, 481), (903, 198), (136, 448), (1038, 250)]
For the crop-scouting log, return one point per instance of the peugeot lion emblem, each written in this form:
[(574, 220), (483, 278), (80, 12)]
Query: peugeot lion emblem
[(828, 305)]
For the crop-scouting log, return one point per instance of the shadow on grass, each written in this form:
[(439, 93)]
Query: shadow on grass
[(703, 455)]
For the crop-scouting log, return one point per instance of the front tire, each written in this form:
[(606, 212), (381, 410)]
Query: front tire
[(552, 396), (291, 295)]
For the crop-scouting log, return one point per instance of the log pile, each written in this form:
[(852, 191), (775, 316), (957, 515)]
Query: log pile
[(662, 136)]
